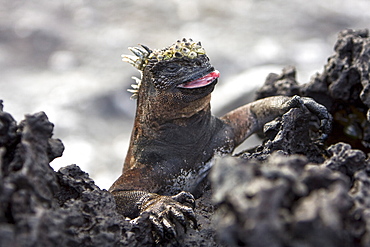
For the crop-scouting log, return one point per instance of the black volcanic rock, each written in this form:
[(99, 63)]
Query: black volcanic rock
[(284, 201), (343, 88), (41, 207)]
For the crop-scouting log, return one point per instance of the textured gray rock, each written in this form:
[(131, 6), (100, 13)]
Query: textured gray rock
[(343, 87), (284, 201), (41, 207), (317, 198), (293, 133), (346, 160), (360, 194)]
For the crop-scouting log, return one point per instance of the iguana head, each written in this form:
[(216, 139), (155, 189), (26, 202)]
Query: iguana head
[(182, 69)]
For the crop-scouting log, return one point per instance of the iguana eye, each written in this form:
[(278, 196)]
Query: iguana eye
[(172, 68)]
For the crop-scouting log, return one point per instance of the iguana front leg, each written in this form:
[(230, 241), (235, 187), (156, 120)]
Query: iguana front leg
[(251, 118), (163, 210)]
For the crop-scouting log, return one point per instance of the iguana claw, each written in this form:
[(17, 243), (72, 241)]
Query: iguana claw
[(166, 211), (315, 108)]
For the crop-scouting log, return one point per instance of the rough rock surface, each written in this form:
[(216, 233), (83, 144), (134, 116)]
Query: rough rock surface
[(316, 198), (293, 190), (291, 133), (343, 87), (40, 207), (288, 201)]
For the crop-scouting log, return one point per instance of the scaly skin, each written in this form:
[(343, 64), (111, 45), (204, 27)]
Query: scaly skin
[(175, 135)]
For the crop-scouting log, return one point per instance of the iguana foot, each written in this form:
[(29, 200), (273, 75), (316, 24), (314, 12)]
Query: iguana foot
[(166, 211), (316, 109)]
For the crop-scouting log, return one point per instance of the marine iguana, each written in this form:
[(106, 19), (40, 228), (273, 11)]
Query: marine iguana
[(175, 136)]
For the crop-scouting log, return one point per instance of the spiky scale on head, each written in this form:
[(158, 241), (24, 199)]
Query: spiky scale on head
[(144, 55)]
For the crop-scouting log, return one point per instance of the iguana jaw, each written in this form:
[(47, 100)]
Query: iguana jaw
[(201, 82)]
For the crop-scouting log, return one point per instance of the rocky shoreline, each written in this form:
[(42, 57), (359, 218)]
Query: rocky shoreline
[(292, 190)]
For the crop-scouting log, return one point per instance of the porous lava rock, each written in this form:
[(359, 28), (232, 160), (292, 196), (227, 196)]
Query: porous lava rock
[(343, 88), (295, 190), (41, 207), (288, 201), (293, 133)]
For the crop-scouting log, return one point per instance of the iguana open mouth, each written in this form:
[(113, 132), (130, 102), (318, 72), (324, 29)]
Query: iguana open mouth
[(201, 82)]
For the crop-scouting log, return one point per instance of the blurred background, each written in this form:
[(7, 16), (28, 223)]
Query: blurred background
[(64, 58)]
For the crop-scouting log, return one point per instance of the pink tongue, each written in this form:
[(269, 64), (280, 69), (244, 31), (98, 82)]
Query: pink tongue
[(203, 81)]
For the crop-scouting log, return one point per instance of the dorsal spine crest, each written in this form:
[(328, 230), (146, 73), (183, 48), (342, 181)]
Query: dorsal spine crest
[(144, 55)]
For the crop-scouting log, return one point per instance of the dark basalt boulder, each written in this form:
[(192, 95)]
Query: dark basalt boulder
[(343, 88), (292, 190), (41, 207), (288, 201), (293, 133)]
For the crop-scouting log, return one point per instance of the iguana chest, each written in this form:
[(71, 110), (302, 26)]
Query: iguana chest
[(191, 180), (182, 167), (178, 157)]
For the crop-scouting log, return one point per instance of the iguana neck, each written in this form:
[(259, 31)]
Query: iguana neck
[(160, 115)]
